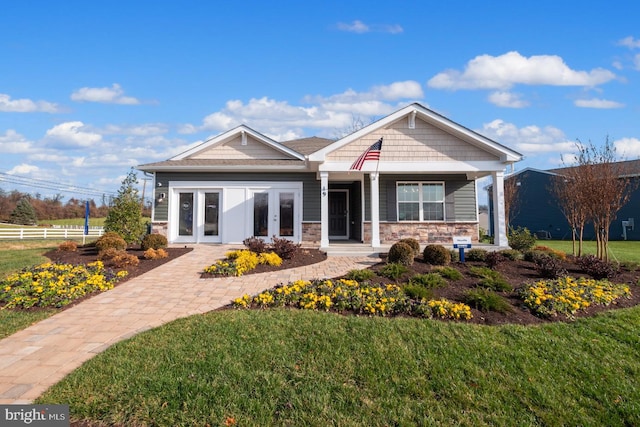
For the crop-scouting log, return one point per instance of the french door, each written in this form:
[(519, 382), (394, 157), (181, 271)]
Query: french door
[(198, 216), (274, 214)]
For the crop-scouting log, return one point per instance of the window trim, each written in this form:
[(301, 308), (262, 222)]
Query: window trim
[(421, 201)]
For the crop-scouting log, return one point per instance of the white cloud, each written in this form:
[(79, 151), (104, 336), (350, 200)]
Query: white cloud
[(26, 105), (146, 129), (507, 99), (630, 42), (529, 139), (597, 103), (23, 169), (628, 147), (73, 134), (636, 62), (14, 143), (360, 27), (106, 95), (504, 71)]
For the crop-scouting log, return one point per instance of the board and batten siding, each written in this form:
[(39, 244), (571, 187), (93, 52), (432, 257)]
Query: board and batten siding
[(310, 188), (460, 196)]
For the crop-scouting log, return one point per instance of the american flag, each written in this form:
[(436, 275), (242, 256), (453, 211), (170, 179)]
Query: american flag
[(371, 153)]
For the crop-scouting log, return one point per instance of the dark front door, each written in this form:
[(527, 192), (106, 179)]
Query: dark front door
[(339, 214)]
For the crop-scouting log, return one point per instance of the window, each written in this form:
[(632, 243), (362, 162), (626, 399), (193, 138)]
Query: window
[(420, 201)]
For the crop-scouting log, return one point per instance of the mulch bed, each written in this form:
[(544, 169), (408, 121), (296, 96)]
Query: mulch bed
[(518, 273)]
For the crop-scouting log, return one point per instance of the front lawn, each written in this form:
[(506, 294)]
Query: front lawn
[(293, 367)]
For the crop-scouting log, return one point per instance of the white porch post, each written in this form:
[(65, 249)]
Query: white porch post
[(499, 219), (375, 209), (324, 209)]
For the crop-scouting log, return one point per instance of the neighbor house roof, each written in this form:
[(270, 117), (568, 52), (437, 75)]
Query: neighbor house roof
[(628, 168)]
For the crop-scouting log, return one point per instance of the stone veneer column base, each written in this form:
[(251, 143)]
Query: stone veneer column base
[(160, 228), (311, 233), (437, 233)]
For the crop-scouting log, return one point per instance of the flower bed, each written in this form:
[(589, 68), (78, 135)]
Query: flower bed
[(239, 262), (568, 295), (345, 295), (55, 285)]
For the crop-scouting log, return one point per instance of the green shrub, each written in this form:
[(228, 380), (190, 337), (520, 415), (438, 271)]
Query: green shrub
[(512, 254), (429, 280), (125, 211), (486, 300), (448, 272), (413, 243), (521, 239), (109, 240), (401, 253), (360, 275), (417, 292), (455, 255), (533, 255), (393, 270), (154, 241), (491, 279), (476, 254), (436, 255)]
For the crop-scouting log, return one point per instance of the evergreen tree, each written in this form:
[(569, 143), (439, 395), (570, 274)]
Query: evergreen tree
[(125, 214), (24, 213)]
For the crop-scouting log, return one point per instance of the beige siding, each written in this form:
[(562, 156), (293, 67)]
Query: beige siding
[(424, 143), (234, 149)]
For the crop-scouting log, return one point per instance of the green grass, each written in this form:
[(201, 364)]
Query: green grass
[(289, 367), (93, 222), (12, 321), (16, 255), (618, 250)]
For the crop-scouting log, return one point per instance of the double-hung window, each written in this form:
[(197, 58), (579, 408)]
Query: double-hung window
[(420, 201)]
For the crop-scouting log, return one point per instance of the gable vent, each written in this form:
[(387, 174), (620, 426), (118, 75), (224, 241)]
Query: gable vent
[(412, 120), (244, 138)]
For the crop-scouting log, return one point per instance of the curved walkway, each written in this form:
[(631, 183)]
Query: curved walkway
[(34, 359)]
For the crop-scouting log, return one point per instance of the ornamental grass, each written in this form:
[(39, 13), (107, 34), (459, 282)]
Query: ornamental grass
[(55, 285), (344, 295), (568, 295)]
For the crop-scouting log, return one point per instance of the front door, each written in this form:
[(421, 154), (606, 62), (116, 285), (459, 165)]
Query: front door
[(338, 214), (274, 214)]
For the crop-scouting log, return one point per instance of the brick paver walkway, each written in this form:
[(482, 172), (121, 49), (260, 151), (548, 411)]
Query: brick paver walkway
[(37, 357)]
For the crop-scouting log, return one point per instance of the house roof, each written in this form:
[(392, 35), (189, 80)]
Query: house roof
[(628, 168), (221, 164), (307, 146)]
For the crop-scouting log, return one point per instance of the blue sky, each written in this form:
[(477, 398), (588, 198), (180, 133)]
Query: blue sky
[(90, 89)]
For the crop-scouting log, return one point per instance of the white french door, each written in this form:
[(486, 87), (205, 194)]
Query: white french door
[(276, 213), (198, 214)]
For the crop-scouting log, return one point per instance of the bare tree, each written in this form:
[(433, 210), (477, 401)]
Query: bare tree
[(511, 200), (567, 189)]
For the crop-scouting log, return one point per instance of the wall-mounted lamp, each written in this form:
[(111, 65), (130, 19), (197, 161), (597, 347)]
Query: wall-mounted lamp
[(161, 197), (159, 184), (324, 191)]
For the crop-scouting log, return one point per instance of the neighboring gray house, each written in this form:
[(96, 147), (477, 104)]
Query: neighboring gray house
[(241, 184)]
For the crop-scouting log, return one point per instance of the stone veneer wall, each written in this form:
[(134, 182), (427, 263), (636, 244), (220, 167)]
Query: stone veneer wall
[(440, 233), (311, 233), (160, 228)]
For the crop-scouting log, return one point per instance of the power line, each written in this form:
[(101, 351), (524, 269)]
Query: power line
[(48, 185)]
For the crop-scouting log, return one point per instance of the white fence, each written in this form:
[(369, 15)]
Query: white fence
[(48, 233)]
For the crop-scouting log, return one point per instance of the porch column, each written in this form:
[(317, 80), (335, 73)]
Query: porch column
[(499, 219), (324, 209), (375, 209)]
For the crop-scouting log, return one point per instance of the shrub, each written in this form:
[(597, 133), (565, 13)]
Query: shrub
[(417, 292), (533, 255), (360, 275), (123, 259), (436, 255), (455, 255), (68, 246), (110, 240), (285, 248), (448, 272), (521, 239), (401, 253), (476, 254), (154, 241), (269, 258), (549, 267), (597, 268), (493, 259), (413, 243), (491, 279), (486, 300), (512, 254), (155, 253), (255, 244), (551, 252), (125, 211), (393, 270), (429, 280)]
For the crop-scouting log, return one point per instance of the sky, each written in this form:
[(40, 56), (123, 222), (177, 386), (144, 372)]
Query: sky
[(89, 90)]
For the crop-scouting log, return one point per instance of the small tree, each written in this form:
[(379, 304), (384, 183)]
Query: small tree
[(511, 200), (568, 191), (23, 214), (125, 213)]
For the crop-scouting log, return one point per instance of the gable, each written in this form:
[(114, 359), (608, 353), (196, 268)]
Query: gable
[(240, 148), (423, 142)]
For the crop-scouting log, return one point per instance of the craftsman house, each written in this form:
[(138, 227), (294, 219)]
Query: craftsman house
[(410, 174)]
